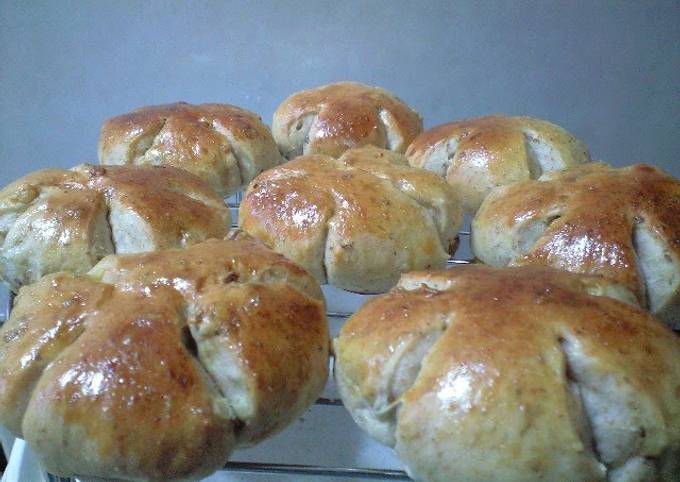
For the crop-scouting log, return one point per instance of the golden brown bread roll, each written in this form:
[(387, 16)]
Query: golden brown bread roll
[(67, 220), (156, 366), (333, 118), (224, 145), (514, 375), (356, 222), (475, 155), (620, 223)]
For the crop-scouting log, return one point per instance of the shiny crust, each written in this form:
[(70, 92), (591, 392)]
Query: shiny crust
[(67, 220), (156, 366), (356, 222), (333, 118), (224, 145), (521, 374), (475, 155), (620, 223)]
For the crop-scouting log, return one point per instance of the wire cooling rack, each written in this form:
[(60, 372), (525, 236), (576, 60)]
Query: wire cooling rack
[(266, 464)]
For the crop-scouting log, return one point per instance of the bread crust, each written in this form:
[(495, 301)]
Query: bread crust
[(223, 144), (335, 117), (155, 366), (356, 222), (515, 374), (67, 220), (620, 223), (478, 154)]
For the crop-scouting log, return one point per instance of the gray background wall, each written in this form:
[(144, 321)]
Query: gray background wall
[(607, 71)]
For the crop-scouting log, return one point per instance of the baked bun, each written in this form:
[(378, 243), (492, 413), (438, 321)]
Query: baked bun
[(224, 145), (620, 223), (67, 220), (356, 222), (335, 117), (476, 155), (517, 374), (156, 366)]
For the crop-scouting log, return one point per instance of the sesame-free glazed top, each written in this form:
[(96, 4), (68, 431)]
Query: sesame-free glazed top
[(67, 220), (516, 374), (225, 145), (333, 118), (475, 155), (620, 223), (356, 222), (156, 366)]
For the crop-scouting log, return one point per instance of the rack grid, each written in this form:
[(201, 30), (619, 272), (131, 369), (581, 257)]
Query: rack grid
[(337, 472)]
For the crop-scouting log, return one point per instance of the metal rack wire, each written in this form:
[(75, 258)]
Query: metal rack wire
[(301, 470)]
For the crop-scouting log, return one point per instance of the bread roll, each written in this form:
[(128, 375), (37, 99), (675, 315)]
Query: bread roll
[(356, 222), (476, 155), (224, 145), (156, 366), (620, 223), (333, 118), (514, 375), (67, 220)]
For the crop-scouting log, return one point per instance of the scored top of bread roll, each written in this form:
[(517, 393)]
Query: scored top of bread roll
[(223, 144), (620, 223), (514, 375), (333, 118), (67, 220), (475, 155), (356, 222), (155, 366)]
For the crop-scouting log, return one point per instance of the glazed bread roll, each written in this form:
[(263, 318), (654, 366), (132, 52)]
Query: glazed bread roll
[(514, 375), (476, 155), (620, 223), (156, 366), (356, 222), (67, 220), (333, 118), (224, 145)]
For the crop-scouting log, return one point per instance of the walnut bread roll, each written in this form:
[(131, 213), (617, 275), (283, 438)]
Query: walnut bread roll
[(156, 366), (620, 223), (356, 222), (67, 220), (475, 155), (333, 118), (224, 145), (514, 375)]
